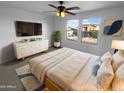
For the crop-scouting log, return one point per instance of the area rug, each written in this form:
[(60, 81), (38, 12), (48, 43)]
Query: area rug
[(29, 81)]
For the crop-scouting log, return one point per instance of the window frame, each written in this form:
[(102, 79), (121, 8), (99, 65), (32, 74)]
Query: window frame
[(81, 29), (77, 29)]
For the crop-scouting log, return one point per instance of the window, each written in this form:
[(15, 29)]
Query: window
[(90, 29), (72, 28)]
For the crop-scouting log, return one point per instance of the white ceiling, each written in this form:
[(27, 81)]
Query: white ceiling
[(42, 6)]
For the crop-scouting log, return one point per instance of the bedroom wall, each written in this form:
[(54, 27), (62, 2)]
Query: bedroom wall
[(104, 41), (7, 29)]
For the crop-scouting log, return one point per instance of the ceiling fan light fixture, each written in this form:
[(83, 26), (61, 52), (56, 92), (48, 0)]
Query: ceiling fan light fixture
[(61, 14), (58, 14)]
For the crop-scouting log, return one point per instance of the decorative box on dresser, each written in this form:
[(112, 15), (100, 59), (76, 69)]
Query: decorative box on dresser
[(24, 49)]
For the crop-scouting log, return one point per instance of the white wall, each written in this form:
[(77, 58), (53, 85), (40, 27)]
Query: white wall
[(104, 41), (7, 28)]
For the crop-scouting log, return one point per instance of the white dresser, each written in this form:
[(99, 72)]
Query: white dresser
[(29, 48)]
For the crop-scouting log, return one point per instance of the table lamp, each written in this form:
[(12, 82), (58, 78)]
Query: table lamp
[(117, 45)]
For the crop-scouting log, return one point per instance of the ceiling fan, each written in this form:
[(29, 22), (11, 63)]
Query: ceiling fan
[(61, 10)]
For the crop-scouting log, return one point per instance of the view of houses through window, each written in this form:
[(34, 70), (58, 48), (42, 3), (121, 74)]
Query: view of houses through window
[(72, 28), (90, 29)]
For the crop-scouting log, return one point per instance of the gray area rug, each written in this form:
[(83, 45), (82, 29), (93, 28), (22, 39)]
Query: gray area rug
[(29, 82)]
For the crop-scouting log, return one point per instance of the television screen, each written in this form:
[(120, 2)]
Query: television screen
[(28, 28)]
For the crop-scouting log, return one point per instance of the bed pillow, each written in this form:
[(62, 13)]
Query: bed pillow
[(118, 82), (106, 57), (105, 73), (118, 59)]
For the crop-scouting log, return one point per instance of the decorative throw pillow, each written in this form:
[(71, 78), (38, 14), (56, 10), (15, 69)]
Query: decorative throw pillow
[(118, 82), (118, 59), (95, 69), (105, 73), (98, 61)]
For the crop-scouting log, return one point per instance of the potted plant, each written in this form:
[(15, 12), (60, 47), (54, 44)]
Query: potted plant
[(57, 38)]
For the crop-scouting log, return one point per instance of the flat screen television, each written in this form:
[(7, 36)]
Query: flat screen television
[(28, 28)]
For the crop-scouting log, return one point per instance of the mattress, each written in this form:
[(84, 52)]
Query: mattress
[(68, 68)]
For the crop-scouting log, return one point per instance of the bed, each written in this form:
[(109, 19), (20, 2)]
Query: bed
[(65, 69)]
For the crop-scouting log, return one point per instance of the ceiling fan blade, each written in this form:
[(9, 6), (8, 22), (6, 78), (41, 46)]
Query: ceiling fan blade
[(53, 6), (73, 8), (70, 13)]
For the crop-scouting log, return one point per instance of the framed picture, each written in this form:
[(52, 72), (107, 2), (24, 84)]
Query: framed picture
[(113, 27)]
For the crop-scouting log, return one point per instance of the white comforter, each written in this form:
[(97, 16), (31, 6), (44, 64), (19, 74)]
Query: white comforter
[(70, 69)]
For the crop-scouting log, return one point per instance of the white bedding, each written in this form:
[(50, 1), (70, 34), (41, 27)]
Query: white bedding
[(85, 80), (70, 69)]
